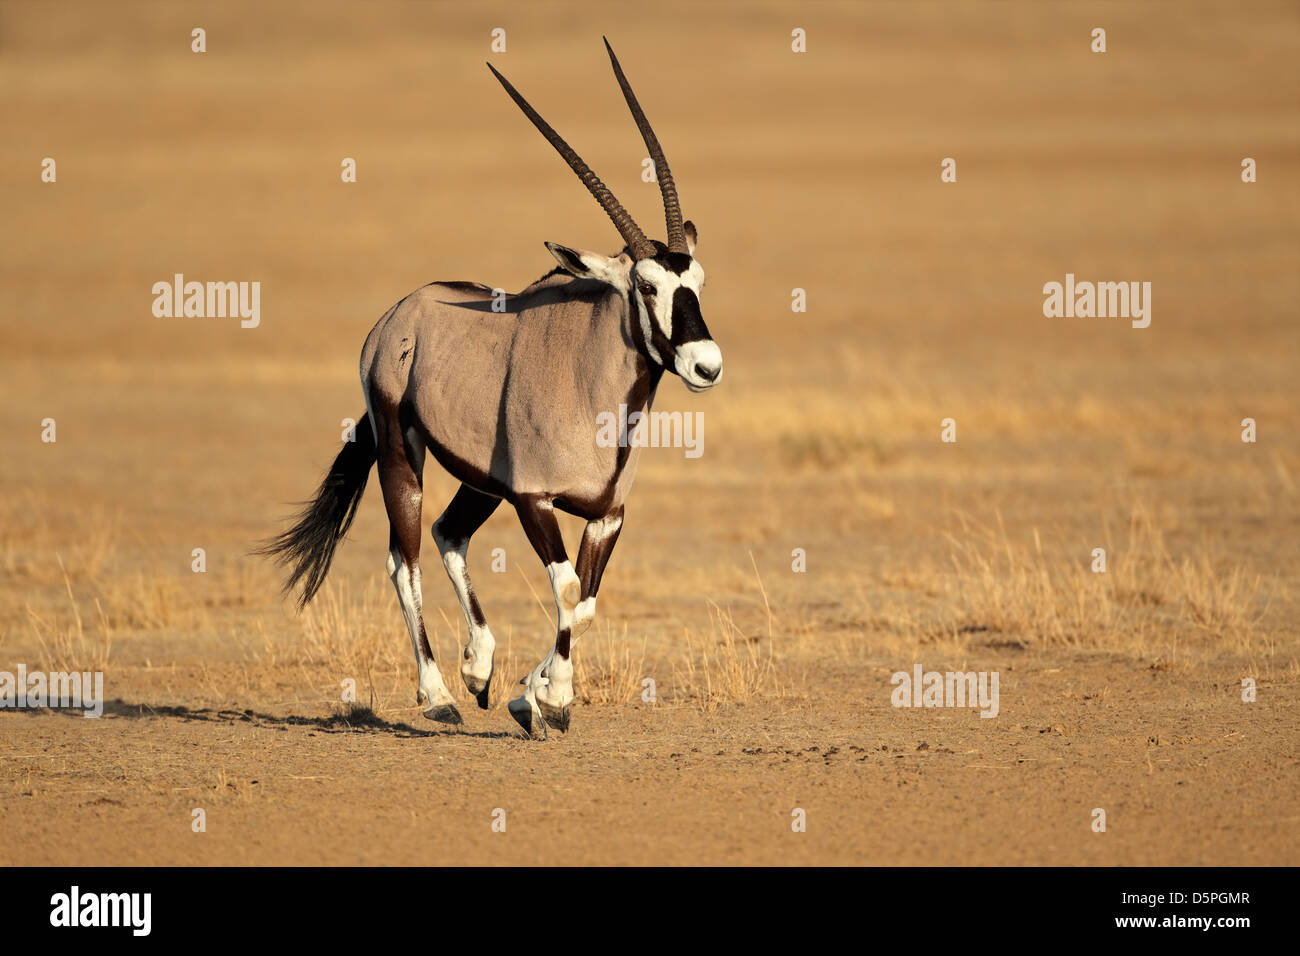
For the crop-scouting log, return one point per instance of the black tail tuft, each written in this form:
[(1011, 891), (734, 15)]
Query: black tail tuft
[(308, 547)]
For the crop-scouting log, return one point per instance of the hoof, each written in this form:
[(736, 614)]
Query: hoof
[(479, 688), (527, 717), (444, 714), (557, 717)]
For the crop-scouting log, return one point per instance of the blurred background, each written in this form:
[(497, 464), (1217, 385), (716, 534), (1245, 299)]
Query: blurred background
[(816, 170)]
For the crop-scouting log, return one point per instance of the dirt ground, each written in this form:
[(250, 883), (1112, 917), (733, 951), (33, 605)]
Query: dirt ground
[(1120, 691)]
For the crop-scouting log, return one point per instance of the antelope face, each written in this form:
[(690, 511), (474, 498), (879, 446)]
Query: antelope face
[(663, 292), (662, 282), (666, 296)]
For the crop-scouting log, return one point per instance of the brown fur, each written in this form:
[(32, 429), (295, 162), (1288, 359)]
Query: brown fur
[(508, 401)]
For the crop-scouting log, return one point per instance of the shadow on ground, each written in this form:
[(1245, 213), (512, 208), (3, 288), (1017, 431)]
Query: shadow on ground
[(358, 720)]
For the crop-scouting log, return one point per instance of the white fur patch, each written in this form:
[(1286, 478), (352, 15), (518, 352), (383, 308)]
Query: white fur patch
[(481, 645), (666, 285), (407, 582), (592, 265), (602, 528), (703, 353), (583, 615), (566, 588)]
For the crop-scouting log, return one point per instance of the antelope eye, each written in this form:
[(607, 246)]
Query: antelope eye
[(646, 289)]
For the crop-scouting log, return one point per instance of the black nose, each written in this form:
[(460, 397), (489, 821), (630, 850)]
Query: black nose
[(706, 373)]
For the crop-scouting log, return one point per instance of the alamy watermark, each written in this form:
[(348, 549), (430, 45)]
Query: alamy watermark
[(651, 430), (211, 300), (1102, 300), (946, 689), (75, 908), (83, 690)]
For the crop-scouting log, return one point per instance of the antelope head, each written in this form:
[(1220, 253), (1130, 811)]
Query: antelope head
[(662, 282)]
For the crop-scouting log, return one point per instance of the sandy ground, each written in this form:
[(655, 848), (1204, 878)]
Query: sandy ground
[(1185, 775), (1119, 691)]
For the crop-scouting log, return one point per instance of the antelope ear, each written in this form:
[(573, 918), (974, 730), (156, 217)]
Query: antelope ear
[(691, 236), (592, 265)]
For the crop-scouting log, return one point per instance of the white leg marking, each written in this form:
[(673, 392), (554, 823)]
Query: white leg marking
[(432, 691), (566, 589), (583, 615), (596, 532), (551, 682), (482, 645)]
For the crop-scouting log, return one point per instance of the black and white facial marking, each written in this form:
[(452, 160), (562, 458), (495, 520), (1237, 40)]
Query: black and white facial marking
[(666, 296)]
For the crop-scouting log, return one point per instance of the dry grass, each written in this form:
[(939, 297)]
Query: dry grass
[(66, 642), (825, 434), (726, 665), (610, 667), (29, 536), (228, 786), (351, 631), (1027, 588), (1015, 588), (923, 303)]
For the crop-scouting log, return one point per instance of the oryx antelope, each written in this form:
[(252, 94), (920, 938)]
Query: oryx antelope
[(506, 401)]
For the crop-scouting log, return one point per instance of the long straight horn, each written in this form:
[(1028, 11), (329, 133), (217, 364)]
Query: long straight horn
[(627, 228), (672, 208)]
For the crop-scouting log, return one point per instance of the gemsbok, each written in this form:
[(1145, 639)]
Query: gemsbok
[(505, 392)]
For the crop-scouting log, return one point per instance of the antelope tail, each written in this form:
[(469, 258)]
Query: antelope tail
[(307, 549)]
